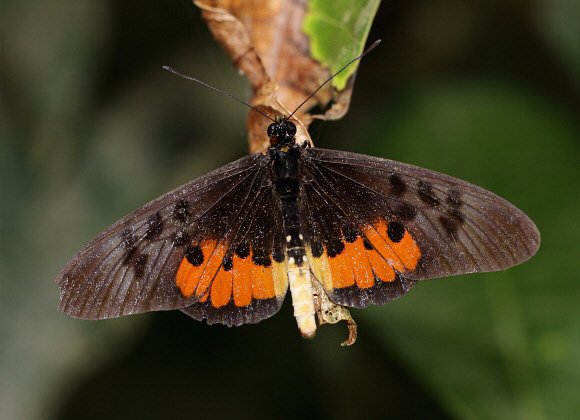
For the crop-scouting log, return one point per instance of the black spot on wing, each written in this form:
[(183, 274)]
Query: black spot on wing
[(449, 225), (128, 238), (181, 211), (154, 226), (456, 215), (243, 250), (140, 265), (263, 260), (398, 186), (129, 255), (367, 244), (427, 195), (334, 247), (395, 231), (227, 263), (454, 198), (194, 255)]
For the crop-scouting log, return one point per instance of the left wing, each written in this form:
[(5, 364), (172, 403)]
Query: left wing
[(190, 249)]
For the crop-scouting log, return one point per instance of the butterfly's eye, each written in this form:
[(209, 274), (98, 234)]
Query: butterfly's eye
[(272, 128), (290, 128)]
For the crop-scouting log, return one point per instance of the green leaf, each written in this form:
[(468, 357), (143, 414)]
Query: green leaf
[(338, 31)]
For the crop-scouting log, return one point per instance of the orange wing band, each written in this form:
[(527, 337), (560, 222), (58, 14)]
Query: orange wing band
[(243, 283), (402, 256), (352, 266), (358, 265)]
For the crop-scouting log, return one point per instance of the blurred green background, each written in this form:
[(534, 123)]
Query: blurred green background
[(92, 128)]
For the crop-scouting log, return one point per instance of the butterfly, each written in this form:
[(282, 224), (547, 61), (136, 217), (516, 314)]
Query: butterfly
[(351, 229)]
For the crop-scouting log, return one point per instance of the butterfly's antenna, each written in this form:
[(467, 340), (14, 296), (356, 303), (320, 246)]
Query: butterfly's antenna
[(373, 45), (217, 90), (368, 50)]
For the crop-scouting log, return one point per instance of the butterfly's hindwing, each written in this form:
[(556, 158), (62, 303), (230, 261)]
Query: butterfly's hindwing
[(243, 278), (132, 266), (375, 227)]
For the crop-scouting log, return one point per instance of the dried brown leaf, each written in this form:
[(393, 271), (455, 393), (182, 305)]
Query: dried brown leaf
[(266, 42)]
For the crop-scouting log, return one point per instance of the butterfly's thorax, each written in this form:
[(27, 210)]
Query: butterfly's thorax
[(285, 155), (286, 177)]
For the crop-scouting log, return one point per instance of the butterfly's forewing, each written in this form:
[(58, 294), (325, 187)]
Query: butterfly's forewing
[(167, 254), (386, 225)]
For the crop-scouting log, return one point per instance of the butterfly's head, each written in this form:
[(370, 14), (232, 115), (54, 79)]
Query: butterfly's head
[(281, 132)]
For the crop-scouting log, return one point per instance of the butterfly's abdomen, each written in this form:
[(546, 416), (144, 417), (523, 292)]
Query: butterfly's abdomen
[(286, 178)]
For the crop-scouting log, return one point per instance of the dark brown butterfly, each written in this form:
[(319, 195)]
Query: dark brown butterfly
[(338, 229), (357, 229)]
